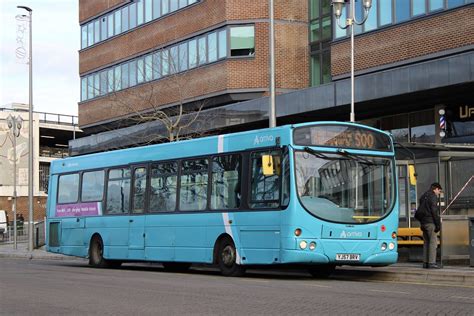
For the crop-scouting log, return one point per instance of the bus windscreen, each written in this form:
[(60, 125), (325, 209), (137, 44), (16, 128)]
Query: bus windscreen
[(342, 136)]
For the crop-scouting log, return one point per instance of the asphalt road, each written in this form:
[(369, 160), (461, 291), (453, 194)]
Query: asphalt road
[(39, 287)]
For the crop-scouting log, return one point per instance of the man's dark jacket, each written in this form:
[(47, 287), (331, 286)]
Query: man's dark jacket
[(429, 207)]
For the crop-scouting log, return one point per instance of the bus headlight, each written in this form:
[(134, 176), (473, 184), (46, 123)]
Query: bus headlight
[(391, 246), (312, 245), (303, 244), (384, 246)]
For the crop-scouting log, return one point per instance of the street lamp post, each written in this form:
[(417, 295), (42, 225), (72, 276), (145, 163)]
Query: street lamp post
[(30, 134), (272, 112), (14, 124), (350, 21)]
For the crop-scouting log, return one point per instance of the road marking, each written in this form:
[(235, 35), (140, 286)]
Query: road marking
[(463, 297), (318, 285), (384, 291)]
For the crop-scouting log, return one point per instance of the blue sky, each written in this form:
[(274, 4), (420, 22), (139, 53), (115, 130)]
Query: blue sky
[(56, 41)]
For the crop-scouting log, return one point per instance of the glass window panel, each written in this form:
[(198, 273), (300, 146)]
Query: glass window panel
[(212, 47), (385, 12), (183, 3), (148, 68), (326, 66), (118, 22), (103, 28), (173, 5), (165, 6), (315, 30), (192, 1), (371, 22), (315, 9), (92, 186), (103, 82), (225, 182), (140, 70), (110, 23), (83, 88), (454, 3), (326, 7), (337, 30), (265, 190), (139, 190), (140, 8), (110, 80), (133, 73), (124, 71), (202, 50), (242, 41), (326, 28), (157, 65), (359, 11), (165, 62), (436, 5), (192, 45), (183, 57), (90, 34), (96, 31), (96, 85), (419, 7), (222, 43), (84, 36), (133, 15), (148, 10), (163, 185), (118, 192), (124, 19), (90, 87), (193, 185), (174, 60), (118, 77), (68, 188), (315, 70), (402, 10), (156, 8)]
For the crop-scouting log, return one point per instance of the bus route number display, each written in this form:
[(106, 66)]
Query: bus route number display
[(341, 136)]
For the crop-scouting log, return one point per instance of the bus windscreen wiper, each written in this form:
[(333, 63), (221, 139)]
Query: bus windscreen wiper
[(356, 157), (317, 154)]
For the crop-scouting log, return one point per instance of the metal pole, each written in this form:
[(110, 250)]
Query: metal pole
[(14, 186), (272, 113), (352, 59)]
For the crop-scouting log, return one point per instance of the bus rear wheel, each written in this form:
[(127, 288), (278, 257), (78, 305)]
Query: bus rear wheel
[(322, 271), (96, 255), (227, 259)]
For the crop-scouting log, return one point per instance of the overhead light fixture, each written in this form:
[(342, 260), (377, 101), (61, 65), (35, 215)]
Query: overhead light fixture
[(47, 136)]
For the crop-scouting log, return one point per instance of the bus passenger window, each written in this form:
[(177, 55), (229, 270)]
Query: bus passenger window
[(68, 191), (92, 186), (118, 191), (193, 185), (164, 180), (265, 190), (225, 182), (139, 189)]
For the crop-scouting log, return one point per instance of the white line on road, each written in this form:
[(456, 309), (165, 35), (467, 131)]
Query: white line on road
[(463, 297), (382, 291)]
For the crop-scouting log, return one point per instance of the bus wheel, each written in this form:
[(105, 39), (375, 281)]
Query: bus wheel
[(322, 271), (96, 255), (227, 259), (176, 266)]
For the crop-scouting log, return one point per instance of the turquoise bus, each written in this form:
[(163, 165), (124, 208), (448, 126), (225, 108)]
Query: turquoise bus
[(316, 195)]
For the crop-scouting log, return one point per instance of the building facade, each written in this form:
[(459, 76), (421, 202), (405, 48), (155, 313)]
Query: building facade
[(414, 68)]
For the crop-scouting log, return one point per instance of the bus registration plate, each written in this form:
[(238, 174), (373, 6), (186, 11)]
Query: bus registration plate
[(348, 257)]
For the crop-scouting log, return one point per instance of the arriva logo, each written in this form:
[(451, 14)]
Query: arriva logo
[(345, 234), (263, 139)]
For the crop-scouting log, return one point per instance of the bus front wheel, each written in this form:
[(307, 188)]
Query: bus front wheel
[(96, 255), (227, 259)]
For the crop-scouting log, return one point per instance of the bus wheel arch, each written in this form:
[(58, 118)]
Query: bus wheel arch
[(96, 254), (225, 256)]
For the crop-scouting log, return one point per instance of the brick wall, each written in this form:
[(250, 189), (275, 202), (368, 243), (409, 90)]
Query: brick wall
[(291, 48), (22, 207), (91, 8), (421, 37)]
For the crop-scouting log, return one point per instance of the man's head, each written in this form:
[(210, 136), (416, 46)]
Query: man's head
[(436, 188)]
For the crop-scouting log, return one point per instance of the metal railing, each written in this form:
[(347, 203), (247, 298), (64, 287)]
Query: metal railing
[(22, 234)]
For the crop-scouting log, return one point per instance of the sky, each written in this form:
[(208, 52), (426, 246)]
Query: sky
[(56, 42)]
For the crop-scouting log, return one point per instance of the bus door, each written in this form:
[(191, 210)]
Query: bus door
[(136, 240)]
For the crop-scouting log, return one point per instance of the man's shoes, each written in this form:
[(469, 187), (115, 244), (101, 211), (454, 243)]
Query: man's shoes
[(433, 266), (425, 265)]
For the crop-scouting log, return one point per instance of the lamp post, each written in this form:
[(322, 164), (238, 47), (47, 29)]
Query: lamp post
[(272, 112), (338, 6), (14, 124), (30, 134)]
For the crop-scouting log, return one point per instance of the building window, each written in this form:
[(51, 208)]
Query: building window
[(320, 65), (320, 38), (242, 41)]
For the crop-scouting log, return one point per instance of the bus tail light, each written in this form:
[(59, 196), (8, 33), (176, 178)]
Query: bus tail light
[(391, 246), (312, 245), (383, 247), (394, 235), (383, 228), (298, 232)]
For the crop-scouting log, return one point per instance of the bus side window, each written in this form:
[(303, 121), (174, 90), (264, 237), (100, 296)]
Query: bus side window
[(68, 188), (163, 182), (265, 190), (118, 191), (225, 182)]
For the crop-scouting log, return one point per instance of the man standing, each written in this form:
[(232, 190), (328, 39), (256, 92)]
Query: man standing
[(429, 218)]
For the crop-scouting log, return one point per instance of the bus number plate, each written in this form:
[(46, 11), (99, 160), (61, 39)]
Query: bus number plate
[(347, 257)]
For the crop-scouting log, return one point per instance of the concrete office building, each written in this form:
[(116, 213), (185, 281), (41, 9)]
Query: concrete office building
[(413, 58)]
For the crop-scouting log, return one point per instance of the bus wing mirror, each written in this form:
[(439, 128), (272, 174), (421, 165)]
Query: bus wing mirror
[(267, 165), (412, 174)]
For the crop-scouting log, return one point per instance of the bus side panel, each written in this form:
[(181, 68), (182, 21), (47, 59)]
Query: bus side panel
[(114, 233), (159, 238), (72, 237)]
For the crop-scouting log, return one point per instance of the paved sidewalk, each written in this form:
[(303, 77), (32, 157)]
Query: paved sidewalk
[(400, 272)]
